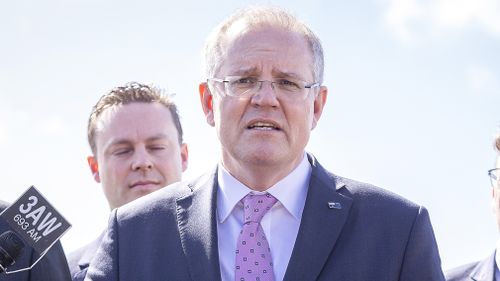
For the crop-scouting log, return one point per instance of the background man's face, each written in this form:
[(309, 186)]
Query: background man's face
[(137, 151)]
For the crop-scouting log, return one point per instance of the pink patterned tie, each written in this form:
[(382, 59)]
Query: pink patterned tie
[(253, 255)]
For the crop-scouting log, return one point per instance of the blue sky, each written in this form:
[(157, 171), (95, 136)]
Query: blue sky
[(414, 96)]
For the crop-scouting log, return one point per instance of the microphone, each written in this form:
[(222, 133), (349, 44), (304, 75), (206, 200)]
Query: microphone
[(11, 247), (33, 222)]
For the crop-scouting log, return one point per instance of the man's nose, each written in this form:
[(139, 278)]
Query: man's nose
[(266, 94), (142, 160)]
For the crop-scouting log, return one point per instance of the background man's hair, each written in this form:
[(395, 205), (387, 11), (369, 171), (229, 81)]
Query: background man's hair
[(126, 94)]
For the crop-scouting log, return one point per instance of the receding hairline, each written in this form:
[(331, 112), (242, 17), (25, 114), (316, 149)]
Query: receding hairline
[(109, 111), (232, 39), (253, 18), (128, 93)]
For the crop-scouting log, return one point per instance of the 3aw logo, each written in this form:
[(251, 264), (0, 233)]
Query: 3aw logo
[(35, 220)]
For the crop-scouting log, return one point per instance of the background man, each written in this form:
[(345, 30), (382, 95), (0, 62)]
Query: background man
[(269, 211), (487, 269), (52, 267), (135, 136)]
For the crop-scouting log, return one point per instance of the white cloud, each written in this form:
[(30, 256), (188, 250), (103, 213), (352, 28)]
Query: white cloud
[(442, 15), (483, 81)]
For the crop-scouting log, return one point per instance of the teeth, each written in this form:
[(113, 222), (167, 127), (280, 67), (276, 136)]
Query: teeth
[(263, 125)]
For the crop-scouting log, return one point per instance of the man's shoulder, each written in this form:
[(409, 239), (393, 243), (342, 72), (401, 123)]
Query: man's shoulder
[(367, 192), (478, 270), (368, 196), (163, 200), (359, 192), (461, 273)]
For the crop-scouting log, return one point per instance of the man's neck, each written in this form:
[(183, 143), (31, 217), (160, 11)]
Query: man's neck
[(259, 176)]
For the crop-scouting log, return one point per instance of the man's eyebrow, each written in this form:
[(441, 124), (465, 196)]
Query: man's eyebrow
[(119, 142), (123, 141), (112, 145), (157, 137), (245, 72), (285, 74)]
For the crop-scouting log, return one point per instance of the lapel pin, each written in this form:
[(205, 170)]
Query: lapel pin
[(334, 205)]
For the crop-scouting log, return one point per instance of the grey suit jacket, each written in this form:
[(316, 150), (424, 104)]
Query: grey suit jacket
[(52, 267), (483, 270), (79, 260), (369, 234)]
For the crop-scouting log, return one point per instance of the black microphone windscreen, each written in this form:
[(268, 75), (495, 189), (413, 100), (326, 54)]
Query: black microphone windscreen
[(11, 247)]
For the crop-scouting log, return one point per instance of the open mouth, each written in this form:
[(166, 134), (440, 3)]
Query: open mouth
[(263, 126)]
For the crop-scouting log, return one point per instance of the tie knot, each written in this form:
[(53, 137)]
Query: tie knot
[(256, 206)]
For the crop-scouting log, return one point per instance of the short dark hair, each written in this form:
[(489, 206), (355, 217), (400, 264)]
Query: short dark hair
[(126, 94)]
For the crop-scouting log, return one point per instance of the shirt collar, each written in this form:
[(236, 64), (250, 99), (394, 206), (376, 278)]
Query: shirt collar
[(291, 191)]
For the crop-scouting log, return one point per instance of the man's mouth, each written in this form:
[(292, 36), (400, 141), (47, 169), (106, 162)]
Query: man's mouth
[(264, 126), (142, 183)]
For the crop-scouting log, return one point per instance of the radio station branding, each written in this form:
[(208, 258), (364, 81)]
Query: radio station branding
[(35, 220)]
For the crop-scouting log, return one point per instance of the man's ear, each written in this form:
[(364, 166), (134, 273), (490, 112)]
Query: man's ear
[(206, 99), (184, 156), (319, 104), (94, 168)]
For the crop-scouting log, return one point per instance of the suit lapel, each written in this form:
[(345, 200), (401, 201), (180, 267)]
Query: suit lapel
[(484, 271), (324, 215), (198, 229), (90, 252)]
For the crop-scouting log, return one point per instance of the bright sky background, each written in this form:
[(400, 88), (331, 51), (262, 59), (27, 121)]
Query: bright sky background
[(414, 98)]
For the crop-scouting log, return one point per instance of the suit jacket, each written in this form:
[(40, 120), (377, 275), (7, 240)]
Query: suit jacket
[(79, 260), (364, 234), (52, 267), (483, 270)]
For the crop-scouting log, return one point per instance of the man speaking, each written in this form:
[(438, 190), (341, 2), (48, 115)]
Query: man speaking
[(269, 211)]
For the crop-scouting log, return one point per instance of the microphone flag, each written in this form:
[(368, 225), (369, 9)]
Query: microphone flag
[(37, 223)]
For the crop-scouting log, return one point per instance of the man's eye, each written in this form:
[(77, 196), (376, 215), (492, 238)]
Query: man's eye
[(244, 81), (157, 147), (122, 151), (288, 84)]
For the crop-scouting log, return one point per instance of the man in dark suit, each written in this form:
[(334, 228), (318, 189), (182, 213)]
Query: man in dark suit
[(52, 267), (269, 211), (135, 136), (487, 269)]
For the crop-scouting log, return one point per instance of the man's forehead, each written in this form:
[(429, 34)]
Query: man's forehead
[(128, 110), (106, 116), (286, 58), (118, 140), (254, 70), (240, 30), (134, 116)]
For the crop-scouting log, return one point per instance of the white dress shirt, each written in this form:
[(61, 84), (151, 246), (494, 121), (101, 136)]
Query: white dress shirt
[(280, 224)]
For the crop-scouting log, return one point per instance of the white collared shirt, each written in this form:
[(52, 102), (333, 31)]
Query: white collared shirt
[(280, 224)]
